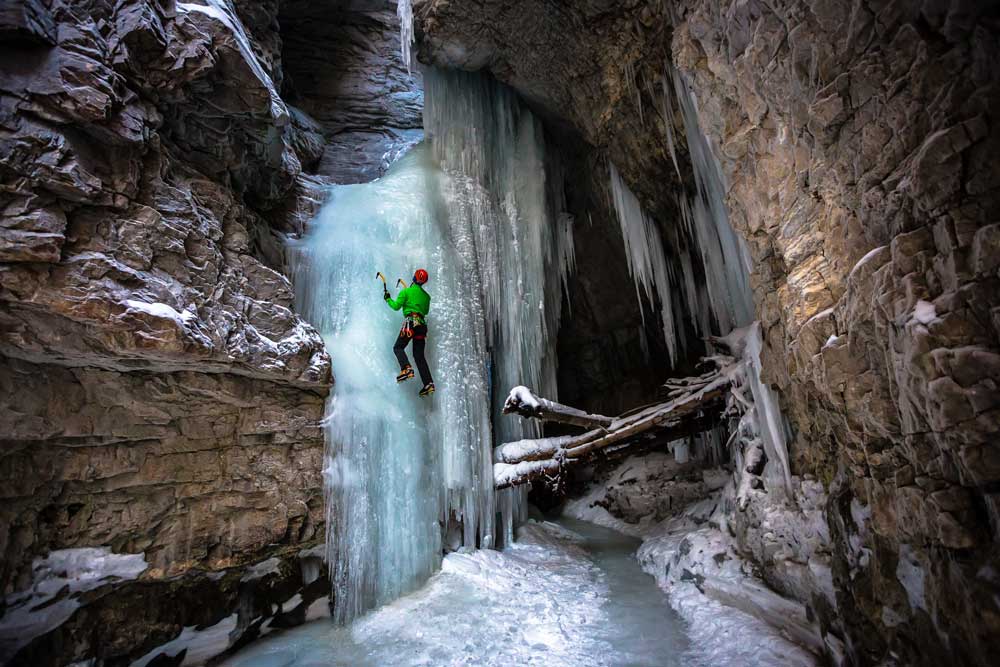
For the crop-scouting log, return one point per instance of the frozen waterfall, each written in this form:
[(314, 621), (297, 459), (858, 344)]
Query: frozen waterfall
[(505, 193), (476, 210)]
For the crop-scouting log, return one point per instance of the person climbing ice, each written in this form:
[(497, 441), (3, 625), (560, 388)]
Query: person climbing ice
[(415, 302)]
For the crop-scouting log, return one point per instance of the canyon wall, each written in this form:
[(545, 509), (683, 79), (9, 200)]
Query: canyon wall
[(342, 65), (161, 397), (860, 156)]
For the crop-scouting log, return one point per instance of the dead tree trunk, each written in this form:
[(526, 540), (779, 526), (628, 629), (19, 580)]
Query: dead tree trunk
[(521, 401), (691, 400)]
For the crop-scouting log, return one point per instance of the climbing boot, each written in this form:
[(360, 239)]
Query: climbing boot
[(428, 389), (405, 374)]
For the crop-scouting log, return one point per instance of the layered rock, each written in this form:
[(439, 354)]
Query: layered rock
[(342, 65), (161, 396), (857, 143)]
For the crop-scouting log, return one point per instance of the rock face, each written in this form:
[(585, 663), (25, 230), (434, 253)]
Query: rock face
[(860, 157), (160, 394), (342, 65)]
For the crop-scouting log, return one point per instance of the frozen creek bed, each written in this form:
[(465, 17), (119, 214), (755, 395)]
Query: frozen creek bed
[(568, 594)]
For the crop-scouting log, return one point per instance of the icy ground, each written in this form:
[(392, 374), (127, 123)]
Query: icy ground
[(568, 594), (733, 618)]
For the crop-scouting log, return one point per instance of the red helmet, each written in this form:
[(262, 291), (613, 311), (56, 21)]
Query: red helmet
[(420, 276)]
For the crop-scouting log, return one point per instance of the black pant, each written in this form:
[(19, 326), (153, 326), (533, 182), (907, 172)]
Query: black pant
[(419, 340)]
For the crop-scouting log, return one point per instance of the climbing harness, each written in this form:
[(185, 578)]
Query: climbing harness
[(411, 321)]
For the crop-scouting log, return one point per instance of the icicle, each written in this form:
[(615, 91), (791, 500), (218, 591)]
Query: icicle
[(668, 122), (726, 264), (645, 255), (723, 253), (770, 422), (633, 88), (404, 10), (505, 193)]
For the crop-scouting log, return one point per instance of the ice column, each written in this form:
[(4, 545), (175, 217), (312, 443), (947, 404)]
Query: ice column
[(398, 469), (404, 10), (502, 201), (726, 263)]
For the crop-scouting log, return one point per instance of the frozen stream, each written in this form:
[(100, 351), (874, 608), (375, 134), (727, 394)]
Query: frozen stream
[(568, 594)]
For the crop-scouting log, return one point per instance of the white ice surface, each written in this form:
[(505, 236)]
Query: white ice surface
[(558, 597), (679, 554)]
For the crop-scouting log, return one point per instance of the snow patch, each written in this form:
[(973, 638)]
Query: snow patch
[(709, 585), (523, 396), (924, 312), (161, 310), (910, 575), (57, 581), (587, 508), (201, 645)]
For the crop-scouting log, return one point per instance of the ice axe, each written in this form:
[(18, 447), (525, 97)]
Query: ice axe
[(385, 287), (400, 281)]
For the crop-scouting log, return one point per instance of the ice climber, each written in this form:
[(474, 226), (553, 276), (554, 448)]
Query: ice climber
[(415, 303)]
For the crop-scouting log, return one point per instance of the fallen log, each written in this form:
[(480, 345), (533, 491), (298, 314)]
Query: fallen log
[(525, 460), (514, 474), (671, 413), (533, 449), (523, 402)]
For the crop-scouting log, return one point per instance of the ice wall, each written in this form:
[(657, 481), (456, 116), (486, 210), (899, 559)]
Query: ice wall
[(505, 197), (398, 468), (478, 211)]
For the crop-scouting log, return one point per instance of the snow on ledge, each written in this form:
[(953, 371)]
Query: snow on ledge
[(57, 581)]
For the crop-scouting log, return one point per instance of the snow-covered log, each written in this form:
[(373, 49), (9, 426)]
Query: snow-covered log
[(523, 402), (533, 449), (515, 474), (692, 399)]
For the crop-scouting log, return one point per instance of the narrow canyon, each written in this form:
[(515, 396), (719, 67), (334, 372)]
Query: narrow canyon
[(713, 324)]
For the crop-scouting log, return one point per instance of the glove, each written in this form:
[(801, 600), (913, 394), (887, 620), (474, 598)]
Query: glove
[(385, 294)]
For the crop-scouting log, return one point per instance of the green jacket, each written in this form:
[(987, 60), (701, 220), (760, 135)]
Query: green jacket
[(412, 299)]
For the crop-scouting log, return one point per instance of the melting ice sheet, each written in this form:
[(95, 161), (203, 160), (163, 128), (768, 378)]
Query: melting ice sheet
[(563, 595)]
